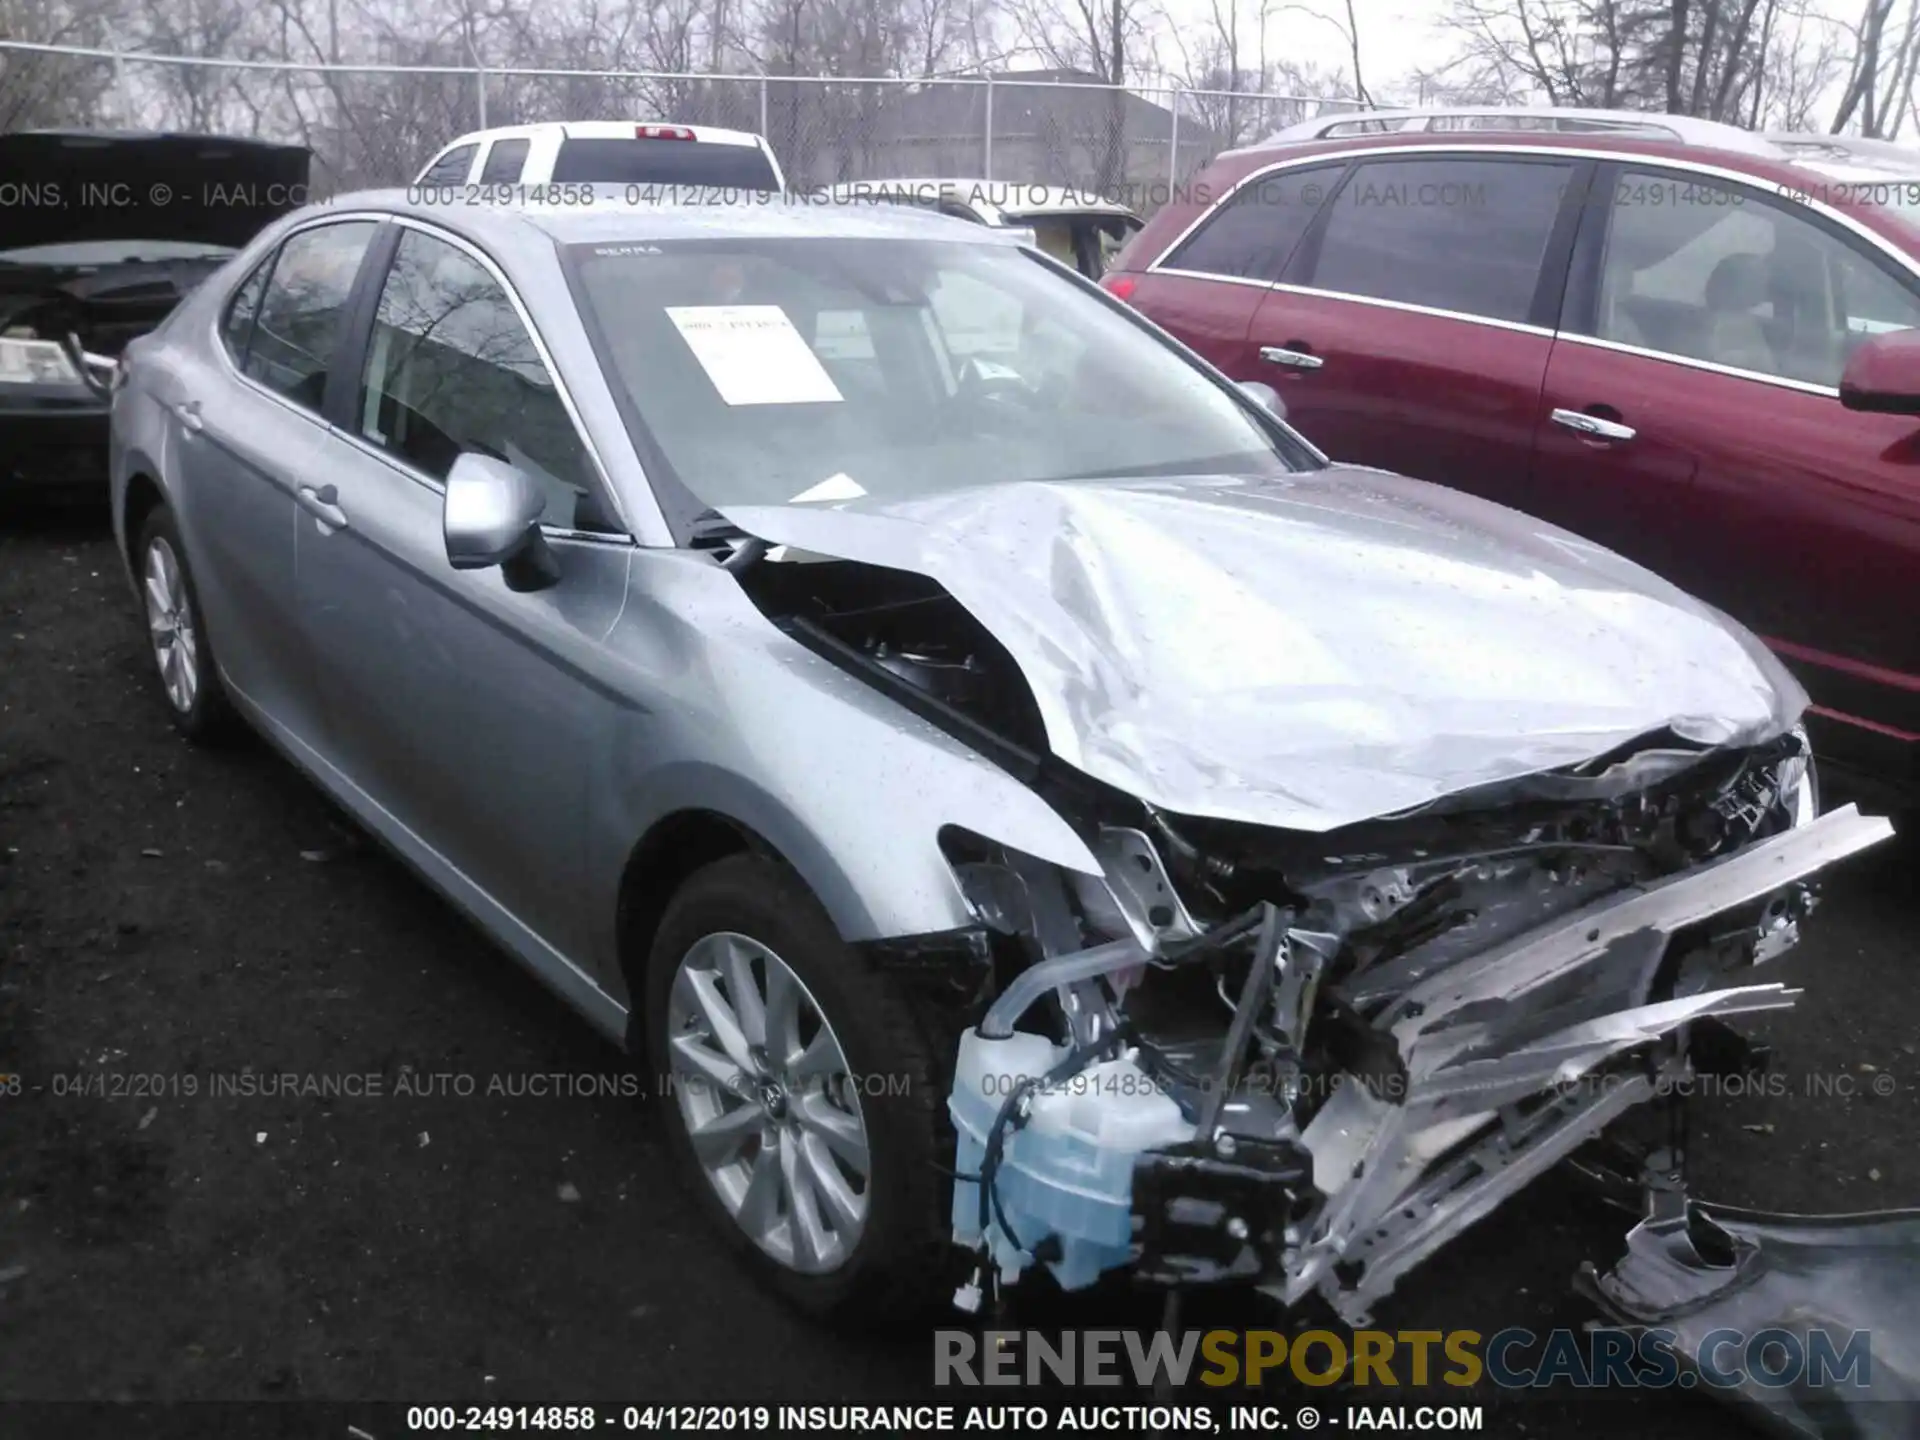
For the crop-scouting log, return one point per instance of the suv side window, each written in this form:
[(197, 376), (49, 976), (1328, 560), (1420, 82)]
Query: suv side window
[(236, 331), (1459, 234), (1718, 273), (1252, 235), (452, 369), (451, 168), (304, 309), (505, 161)]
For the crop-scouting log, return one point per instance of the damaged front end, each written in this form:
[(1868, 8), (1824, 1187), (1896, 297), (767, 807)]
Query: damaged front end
[(1322, 1008), (1305, 1063)]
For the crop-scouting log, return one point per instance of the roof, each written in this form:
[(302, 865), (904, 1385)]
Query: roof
[(993, 198), (612, 218), (1818, 151)]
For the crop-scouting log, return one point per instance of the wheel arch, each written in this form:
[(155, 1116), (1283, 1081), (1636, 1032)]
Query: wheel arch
[(143, 497), (673, 849)]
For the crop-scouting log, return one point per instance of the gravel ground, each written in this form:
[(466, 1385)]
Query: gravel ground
[(168, 916)]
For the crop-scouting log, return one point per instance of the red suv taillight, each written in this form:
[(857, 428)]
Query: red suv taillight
[(1121, 287), (662, 132)]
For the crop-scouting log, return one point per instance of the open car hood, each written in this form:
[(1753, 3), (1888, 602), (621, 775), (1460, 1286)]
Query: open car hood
[(1312, 650), (203, 189)]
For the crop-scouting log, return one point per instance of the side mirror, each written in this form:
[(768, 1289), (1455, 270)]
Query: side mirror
[(491, 516), (1265, 395), (1883, 375)]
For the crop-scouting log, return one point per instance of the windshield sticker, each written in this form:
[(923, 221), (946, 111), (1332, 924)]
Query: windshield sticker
[(834, 487), (753, 354)]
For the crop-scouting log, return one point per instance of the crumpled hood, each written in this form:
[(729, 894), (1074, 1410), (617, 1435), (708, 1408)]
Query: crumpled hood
[(1311, 650)]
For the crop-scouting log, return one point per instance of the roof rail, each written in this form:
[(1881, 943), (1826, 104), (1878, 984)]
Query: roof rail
[(1683, 129)]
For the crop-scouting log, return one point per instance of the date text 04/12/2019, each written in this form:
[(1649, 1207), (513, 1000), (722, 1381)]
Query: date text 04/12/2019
[(936, 1419)]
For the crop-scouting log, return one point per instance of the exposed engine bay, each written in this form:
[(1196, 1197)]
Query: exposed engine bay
[(102, 308), (1305, 1060)]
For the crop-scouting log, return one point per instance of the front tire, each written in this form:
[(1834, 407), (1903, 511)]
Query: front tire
[(189, 679), (798, 1095)]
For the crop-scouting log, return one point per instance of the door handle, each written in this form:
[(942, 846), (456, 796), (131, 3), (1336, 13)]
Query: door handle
[(1295, 359), (189, 414), (323, 505), (1593, 425)]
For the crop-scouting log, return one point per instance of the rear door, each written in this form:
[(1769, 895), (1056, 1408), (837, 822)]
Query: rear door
[(1413, 323), (247, 440), (1209, 284), (1707, 325)]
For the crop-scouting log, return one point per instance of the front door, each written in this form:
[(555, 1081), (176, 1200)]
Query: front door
[(470, 714), (1707, 327)]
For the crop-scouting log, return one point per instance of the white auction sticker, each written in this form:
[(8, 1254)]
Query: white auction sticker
[(753, 354)]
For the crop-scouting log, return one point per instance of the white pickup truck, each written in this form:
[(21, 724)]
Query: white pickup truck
[(606, 152)]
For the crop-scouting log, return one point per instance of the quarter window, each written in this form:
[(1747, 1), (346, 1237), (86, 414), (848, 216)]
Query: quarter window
[(451, 168), (504, 162), (237, 329), (304, 310), (1461, 235), (451, 369), (1255, 230), (1717, 273)]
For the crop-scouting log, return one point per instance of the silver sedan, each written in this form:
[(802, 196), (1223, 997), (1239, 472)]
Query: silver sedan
[(987, 763)]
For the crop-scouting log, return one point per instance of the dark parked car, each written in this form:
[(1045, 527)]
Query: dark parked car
[(1691, 343), (104, 234)]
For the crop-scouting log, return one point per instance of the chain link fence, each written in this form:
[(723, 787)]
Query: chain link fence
[(378, 125)]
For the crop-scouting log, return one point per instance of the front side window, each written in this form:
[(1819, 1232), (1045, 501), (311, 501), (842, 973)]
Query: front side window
[(451, 369), (1466, 235), (1717, 273), (771, 371), (1251, 235), (304, 309)]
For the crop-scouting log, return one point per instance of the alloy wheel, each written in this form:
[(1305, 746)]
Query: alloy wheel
[(176, 647), (769, 1103)]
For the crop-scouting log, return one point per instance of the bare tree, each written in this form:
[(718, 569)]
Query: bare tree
[(48, 90)]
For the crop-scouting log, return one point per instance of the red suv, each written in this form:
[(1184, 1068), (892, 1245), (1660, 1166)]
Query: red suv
[(1693, 344)]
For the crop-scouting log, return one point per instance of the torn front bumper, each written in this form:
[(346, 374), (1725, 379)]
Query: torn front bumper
[(1517, 1056), (1466, 1084), (1810, 1323)]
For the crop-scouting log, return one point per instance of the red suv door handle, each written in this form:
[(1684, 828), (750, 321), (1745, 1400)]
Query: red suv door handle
[(1593, 426), (1294, 354)]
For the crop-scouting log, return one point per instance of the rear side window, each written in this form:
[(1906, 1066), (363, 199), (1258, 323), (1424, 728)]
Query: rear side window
[(1253, 233), (451, 168), (236, 331), (1454, 234), (505, 161), (663, 162), (304, 310)]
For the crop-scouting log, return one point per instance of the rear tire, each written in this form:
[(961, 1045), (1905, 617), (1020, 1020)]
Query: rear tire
[(774, 1155), (177, 635)]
